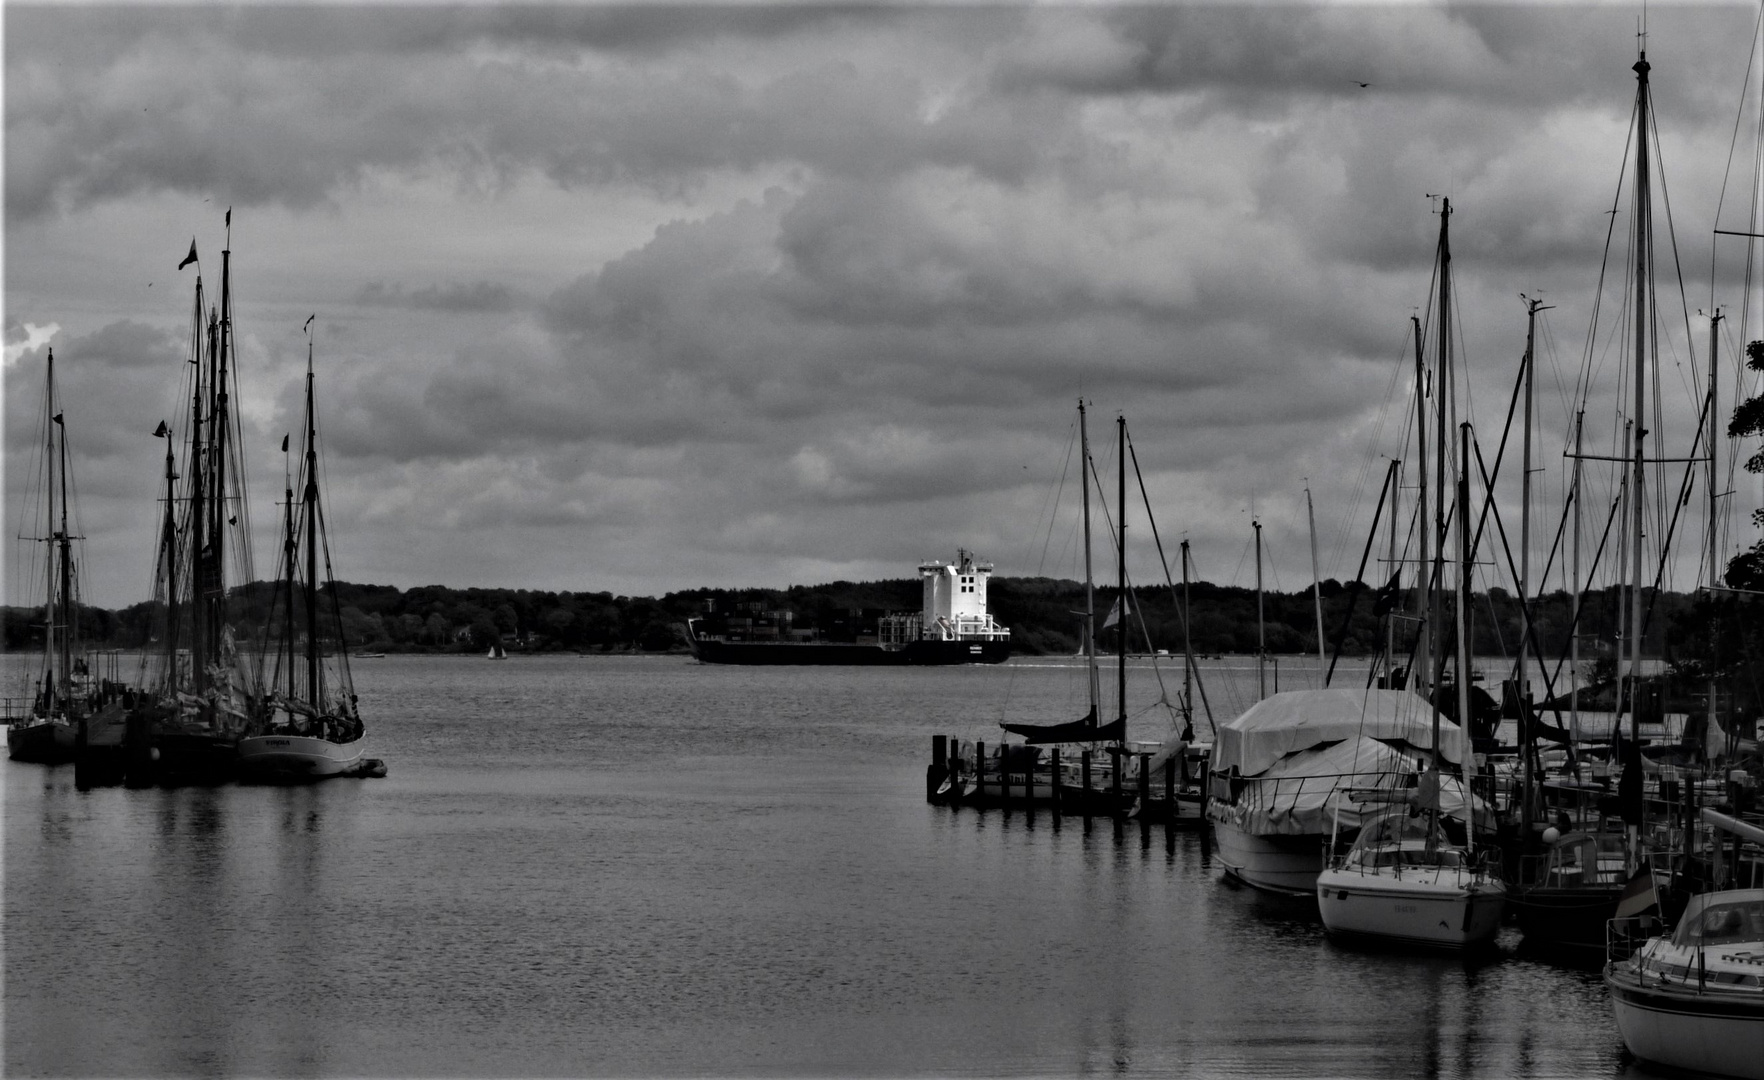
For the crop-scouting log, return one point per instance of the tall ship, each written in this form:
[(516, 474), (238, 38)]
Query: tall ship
[(952, 627)]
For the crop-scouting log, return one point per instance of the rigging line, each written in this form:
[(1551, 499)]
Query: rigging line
[(1580, 601), (1181, 610), (1733, 145), (1359, 582)]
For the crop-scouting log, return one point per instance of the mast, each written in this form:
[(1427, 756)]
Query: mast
[(1089, 585), (1463, 606), (1121, 574), (64, 545), (1316, 590), (310, 500), (1644, 232), (1424, 656), (1396, 490), (1442, 368), (1261, 623), (1187, 642), (1522, 687), (1574, 548), (1714, 567), (289, 549)]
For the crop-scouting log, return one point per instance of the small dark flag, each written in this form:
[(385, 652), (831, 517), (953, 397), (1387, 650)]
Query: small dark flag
[(284, 444), (309, 319), (1638, 896), (229, 217), (190, 258), (160, 432), (58, 419)]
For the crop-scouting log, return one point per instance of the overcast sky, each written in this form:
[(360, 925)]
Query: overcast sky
[(647, 298)]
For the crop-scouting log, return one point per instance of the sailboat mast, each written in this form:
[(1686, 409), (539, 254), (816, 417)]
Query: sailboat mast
[(221, 421), (1089, 585), (1396, 494), (1187, 643), (1714, 568), (290, 548), (1261, 620), (1442, 373), (1574, 638), (1463, 606), (64, 545), (1316, 590), (310, 500), (1423, 654), (1643, 235), (1121, 575)]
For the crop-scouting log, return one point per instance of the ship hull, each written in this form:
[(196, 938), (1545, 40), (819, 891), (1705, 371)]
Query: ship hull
[(294, 758), (914, 653), (45, 742)]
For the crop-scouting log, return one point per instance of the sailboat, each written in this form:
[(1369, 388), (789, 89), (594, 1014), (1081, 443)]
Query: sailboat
[(1021, 763), (311, 728), (1283, 773), (1405, 879), (198, 689), (64, 692), (1578, 874), (497, 652)]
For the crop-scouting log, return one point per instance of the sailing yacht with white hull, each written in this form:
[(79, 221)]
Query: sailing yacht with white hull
[(312, 730)]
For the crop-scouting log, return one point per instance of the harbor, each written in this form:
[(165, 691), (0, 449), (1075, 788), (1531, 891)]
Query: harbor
[(685, 888)]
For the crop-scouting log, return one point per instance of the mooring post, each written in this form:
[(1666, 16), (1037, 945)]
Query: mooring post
[(979, 772), (1053, 760), (1170, 788), (939, 770), (1084, 778), (1116, 765)]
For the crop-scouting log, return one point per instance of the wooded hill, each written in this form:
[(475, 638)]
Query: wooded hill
[(1038, 611)]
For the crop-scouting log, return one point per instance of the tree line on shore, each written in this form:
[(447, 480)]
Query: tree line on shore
[(1037, 610)]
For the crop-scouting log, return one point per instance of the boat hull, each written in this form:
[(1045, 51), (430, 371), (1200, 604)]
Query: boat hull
[(919, 653), (1716, 1032), (1571, 919), (1436, 907), (295, 758), (1274, 863), (44, 742)]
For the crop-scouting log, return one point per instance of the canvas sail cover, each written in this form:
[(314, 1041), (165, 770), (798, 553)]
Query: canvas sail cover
[(1298, 720), (1082, 730), (1298, 794)]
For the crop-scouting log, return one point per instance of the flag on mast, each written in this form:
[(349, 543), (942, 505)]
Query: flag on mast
[(190, 258)]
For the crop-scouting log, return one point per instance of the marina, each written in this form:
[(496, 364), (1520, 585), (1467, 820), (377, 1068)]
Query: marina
[(643, 866)]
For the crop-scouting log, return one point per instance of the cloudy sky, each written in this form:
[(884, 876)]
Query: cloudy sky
[(652, 297)]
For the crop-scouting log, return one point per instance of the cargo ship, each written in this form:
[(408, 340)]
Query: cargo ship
[(952, 628)]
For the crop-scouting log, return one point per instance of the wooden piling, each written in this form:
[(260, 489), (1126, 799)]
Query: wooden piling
[(1053, 757), (1115, 781), (1144, 789), (938, 771), (1084, 778), (1170, 789), (980, 772)]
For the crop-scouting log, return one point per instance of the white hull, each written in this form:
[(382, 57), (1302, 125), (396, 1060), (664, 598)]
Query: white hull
[(1282, 864), (295, 757), (1445, 907), (1711, 1032)]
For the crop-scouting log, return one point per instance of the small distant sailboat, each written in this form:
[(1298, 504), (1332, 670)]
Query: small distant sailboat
[(312, 729), (497, 652)]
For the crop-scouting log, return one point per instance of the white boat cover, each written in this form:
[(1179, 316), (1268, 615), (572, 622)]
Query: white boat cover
[(1297, 720), (1297, 795)]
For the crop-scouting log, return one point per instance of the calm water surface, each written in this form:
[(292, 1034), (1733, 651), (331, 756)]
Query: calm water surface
[(653, 867)]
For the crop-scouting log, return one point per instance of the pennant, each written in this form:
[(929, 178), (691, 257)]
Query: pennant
[(190, 258), (57, 419), (1639, 896), (284, 444), (160, 432), (1114, 615)]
